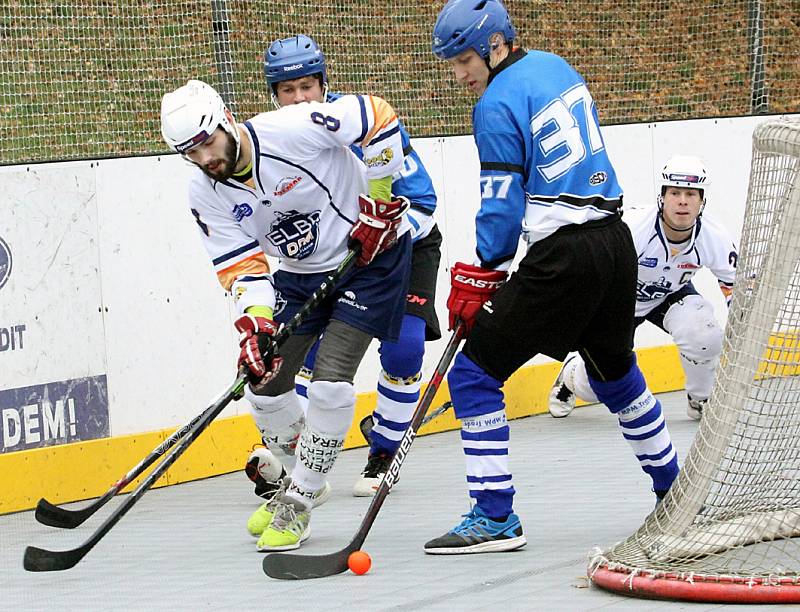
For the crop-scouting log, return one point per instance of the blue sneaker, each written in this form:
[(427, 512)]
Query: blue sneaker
[(478, 533)]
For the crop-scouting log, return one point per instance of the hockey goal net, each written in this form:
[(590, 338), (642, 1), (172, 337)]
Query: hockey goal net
[(728, 530)]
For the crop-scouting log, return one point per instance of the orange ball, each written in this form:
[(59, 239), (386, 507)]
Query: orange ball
[(359, 562)]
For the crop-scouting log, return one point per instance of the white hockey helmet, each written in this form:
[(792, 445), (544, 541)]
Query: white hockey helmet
[(685, 171), (191, 113)]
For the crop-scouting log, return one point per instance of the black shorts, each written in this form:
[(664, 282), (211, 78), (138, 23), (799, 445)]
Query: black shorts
[(421, 302), (574, 290)]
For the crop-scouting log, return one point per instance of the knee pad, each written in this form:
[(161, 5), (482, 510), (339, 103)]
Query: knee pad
[(695, 329), (274, 414), (280, 420), (403, 359), (474, 392), (330, 407)]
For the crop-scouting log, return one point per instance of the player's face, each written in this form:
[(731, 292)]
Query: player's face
[(295, 91), (681, 206), (215, 155), (470, 70)]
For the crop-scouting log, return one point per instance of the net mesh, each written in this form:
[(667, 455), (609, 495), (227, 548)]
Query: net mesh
[(735, 507), (84, 80)]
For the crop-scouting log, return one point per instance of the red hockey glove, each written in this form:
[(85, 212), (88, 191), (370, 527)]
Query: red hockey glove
[(470, 287), (255, 339), (377, 225)]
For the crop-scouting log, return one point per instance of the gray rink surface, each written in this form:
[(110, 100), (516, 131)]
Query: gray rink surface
[(186, 547)]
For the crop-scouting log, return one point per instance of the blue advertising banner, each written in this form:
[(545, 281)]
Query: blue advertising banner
[(53, 413)]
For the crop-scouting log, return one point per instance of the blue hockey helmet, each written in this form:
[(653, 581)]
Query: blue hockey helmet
[(468, 24), (293, 58)]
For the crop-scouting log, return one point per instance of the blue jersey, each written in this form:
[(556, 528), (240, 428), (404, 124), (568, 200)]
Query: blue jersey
[(543, 160), (412, 181)]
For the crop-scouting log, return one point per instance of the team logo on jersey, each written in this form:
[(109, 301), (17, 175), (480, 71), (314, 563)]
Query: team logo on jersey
[(286, 184), (646, 292), (598, 178), (240, 211), (5, 262), (382, 159), (648, 262), (294, 233)]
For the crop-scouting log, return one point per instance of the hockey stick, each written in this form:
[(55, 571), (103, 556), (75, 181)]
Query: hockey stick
[(368, 422), (56, 516), (49, 514), (41, 560), (301, 567)]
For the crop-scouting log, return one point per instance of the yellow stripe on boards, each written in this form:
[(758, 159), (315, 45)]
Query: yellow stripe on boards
[(85, 470)]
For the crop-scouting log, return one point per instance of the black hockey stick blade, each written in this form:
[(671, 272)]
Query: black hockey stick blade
[(285, 566), (54, 516), (51, 515), (304, 567), (365, 426), (41, 560)]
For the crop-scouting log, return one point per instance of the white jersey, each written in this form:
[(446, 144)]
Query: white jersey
[(664, 267), (302, 200)]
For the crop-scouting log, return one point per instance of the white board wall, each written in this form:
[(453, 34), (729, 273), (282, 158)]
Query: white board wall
[(110, 278)]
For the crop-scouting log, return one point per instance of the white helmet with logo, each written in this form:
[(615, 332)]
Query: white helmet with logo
[(685, 171), (191, 113)]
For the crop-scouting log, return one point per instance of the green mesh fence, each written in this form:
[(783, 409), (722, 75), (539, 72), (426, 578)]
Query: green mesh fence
[(84, 80)]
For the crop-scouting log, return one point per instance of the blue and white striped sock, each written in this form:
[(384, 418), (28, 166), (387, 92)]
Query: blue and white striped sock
[(485, 441), (642, 424), (397, 399), (478, 402)]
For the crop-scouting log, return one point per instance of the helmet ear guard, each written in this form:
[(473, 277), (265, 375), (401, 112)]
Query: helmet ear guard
[(191, 114), (469, 24)]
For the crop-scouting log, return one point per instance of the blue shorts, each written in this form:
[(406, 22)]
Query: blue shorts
[(372, 298)]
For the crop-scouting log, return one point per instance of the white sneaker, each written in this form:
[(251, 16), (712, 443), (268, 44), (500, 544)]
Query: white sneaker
[(695, 408), (562, 399), (372, 475)]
